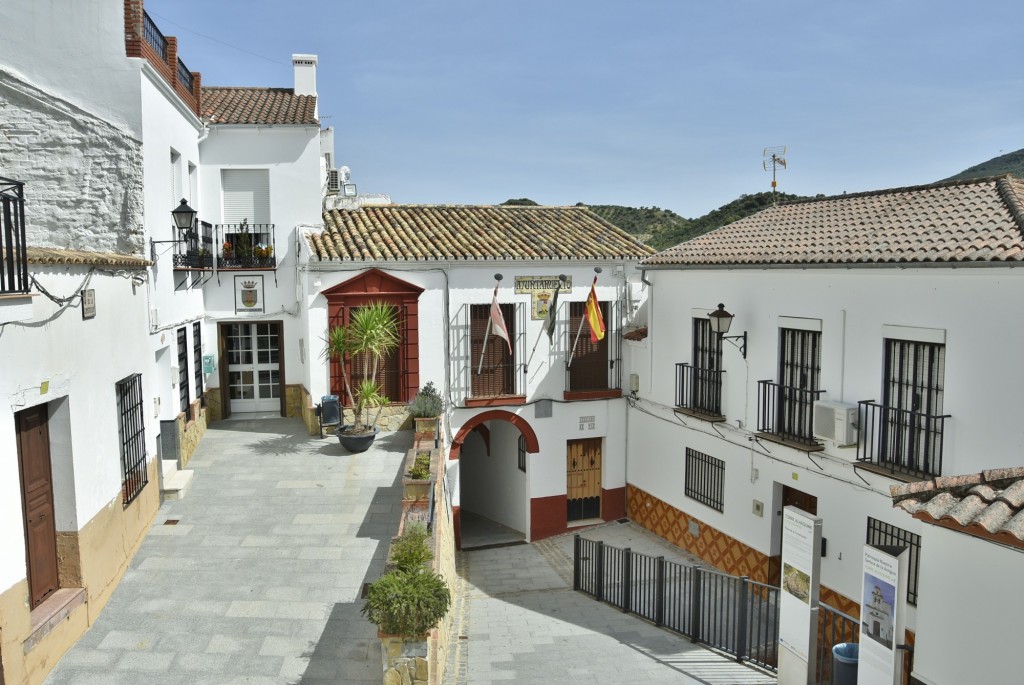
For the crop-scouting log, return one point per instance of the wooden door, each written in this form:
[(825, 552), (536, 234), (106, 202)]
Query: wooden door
[(590, 364), (583, 478), (37, 498), (800, 500)]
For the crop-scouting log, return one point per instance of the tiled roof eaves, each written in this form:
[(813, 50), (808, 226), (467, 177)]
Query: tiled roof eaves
[(53, 256)]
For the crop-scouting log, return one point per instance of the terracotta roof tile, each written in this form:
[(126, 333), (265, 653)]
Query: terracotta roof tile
[(470, 232), (58, 256), (980, 220), (636, 335), (988, 504), (258, 106)]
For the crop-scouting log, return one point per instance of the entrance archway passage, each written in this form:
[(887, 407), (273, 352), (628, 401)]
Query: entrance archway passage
[(494, 486)]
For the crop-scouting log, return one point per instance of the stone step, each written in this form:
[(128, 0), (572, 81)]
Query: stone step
[(177, 484)]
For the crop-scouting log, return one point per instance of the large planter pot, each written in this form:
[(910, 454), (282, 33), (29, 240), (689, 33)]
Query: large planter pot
[(356, 443)]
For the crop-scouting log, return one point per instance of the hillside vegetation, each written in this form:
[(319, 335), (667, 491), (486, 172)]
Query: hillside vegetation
[(1010, 163)]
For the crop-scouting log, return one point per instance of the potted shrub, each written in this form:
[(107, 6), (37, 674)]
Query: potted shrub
[(424, 410), (416, 482), (372, 334), (227, 250)]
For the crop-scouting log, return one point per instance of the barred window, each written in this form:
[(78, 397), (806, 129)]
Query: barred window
[(522, 453), (197, 361), (882, 534), (705, 479), (132, 432), (183, 370)]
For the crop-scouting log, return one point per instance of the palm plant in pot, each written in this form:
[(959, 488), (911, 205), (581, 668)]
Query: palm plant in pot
[(370, 335)]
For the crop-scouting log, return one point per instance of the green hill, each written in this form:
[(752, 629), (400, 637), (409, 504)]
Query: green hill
[(1010, 163), (663, 228)]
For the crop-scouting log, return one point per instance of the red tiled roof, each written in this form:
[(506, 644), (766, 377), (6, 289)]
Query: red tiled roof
[(636, 335), (223, 105), (980, 220), (989, 504), (470, 232), (60, 256)]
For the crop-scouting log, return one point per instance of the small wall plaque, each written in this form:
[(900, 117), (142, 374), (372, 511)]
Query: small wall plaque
[(88, 304)]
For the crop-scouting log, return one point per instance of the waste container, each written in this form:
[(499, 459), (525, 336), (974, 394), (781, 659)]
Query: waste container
[(329, 412), (845, 656)]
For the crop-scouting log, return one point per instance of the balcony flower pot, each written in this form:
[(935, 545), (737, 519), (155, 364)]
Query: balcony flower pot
[(356, 441), (416, 480)]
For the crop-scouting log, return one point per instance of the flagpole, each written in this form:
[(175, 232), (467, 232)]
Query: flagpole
[(487, 331), (597, 270), (543, 329)]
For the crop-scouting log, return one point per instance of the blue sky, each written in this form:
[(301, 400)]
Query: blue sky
[(664, 103)]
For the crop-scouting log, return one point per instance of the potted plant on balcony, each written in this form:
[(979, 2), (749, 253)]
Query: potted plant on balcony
[(227, 250), (371, 335)]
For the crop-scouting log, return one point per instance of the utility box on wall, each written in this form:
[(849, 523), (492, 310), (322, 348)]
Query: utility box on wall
[(835, 421)]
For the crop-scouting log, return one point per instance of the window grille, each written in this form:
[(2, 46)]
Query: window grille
[(595, 366), (882, 534), (522, 454), (183, 393), (197, 361), (132, 432), (497, 372), (705, 479), (786, 408), (699, 386)]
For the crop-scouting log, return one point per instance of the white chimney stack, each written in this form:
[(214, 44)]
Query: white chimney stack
[(305, 74)]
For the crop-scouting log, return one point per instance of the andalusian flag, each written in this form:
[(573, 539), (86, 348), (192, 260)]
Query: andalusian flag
[(594, 317), (549, 323)]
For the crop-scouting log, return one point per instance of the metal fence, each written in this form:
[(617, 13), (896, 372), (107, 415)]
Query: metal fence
[(699, 390), (786, 411), (733, 614), (901, 440), (834, 627)]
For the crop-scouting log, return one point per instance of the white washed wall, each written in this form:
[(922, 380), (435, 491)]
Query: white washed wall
[(83, 175), (81, 361), (76, 49), (970, 602)]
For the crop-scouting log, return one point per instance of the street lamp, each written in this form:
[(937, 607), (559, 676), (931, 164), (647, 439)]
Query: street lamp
[(721, 320)]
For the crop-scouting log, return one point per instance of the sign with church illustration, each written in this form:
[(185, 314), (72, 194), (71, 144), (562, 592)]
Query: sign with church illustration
[(542, 291), (882, 613), (249, 294)]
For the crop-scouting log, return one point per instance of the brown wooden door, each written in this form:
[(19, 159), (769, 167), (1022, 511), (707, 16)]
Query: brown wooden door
[(802, 501), (583, 478), (589, 368), (37, 496)]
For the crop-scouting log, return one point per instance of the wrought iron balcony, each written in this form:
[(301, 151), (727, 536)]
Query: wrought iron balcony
[(196, 252), (699, 391), (786, 412), (153, 36), (900, 440), (13, 250), (246, 246)]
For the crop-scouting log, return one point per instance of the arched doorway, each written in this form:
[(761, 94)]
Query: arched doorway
[(494, 492)]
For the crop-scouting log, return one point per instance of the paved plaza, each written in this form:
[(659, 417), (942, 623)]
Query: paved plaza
[(258, 583)]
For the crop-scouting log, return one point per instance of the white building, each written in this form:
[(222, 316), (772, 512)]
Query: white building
[(873, 343), (972, 560), (535, 446)]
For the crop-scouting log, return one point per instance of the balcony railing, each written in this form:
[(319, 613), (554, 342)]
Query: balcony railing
[(184, 76), (13, 253), (595, 366), (196, 253), (900, 440), (153, 35), (246, 246), (786, 412), (699, 390)]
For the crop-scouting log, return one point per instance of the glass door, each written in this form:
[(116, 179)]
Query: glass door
[(254, 367)]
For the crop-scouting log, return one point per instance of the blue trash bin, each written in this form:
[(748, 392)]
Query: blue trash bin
[(845, 656)]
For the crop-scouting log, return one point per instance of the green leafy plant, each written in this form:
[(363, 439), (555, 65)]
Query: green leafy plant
[(410, 551), (407, 602), (371, 334), (421, 467), (427, 403)]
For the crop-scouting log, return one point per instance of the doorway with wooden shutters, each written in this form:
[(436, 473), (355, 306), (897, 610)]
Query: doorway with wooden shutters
[(32, 427), (787, 497), (583, 479)]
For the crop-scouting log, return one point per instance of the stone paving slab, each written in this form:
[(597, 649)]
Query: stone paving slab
[(522, 623), (259, 582)]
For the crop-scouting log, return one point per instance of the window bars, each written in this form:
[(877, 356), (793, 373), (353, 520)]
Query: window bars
[(183, 393), (882, 534), (786, 408), (197, 361), (13, 249), (132, 432), (705, 479)]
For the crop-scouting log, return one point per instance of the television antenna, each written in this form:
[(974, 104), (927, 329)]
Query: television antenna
[(773, 159)]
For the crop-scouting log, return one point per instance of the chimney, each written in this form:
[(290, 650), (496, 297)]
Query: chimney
[(305, 74)]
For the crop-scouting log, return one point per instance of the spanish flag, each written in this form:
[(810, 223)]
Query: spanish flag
[(594, 317)]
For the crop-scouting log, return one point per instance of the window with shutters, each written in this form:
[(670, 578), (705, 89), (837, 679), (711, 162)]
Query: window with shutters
[(247, 234), (904, 434), (494, 368), (197, 361), (593, 368), (183, 392), (176, 192), (785, 408)]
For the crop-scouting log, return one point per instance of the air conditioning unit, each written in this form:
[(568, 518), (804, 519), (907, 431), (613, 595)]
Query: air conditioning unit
[(835, 421), (333, 181)]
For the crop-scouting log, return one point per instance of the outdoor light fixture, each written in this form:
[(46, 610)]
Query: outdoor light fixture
[(184, 220), (721, 320)]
